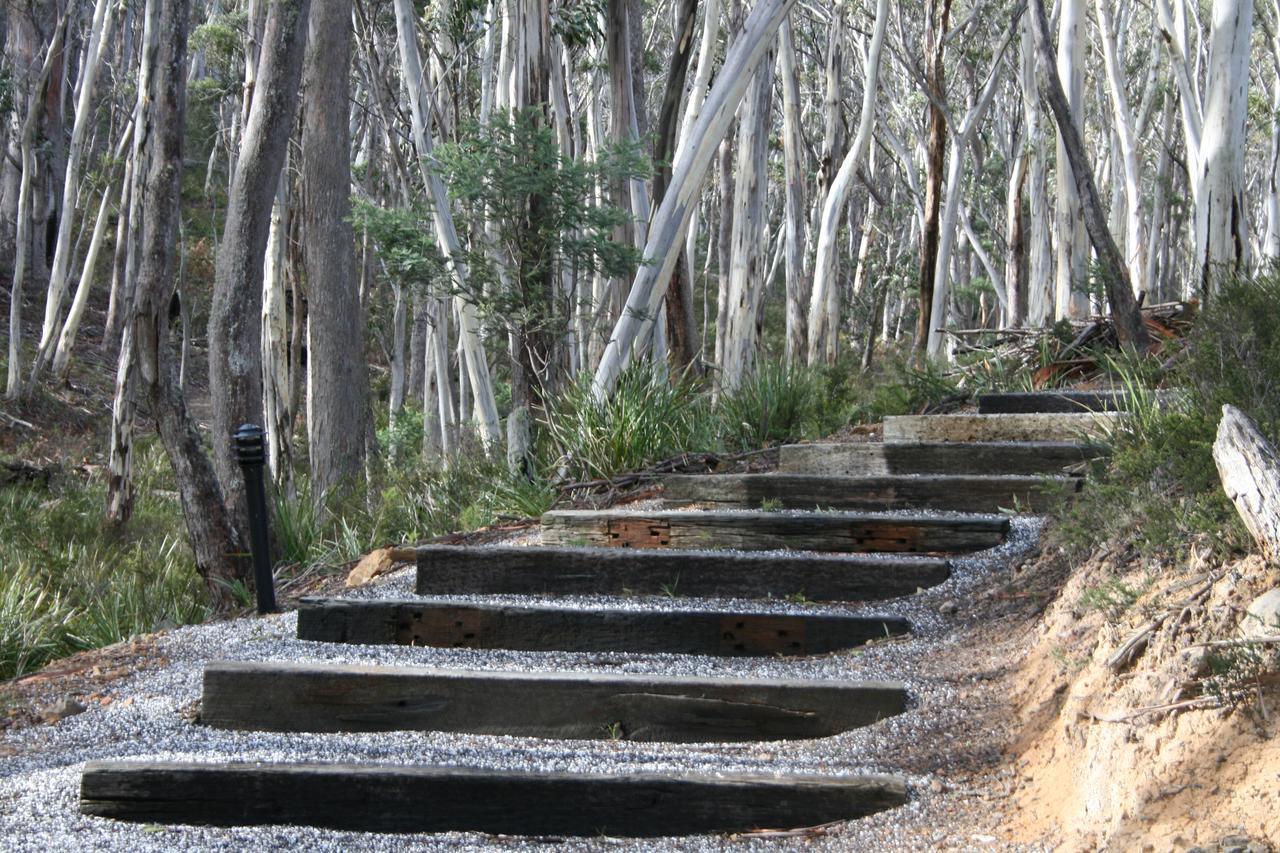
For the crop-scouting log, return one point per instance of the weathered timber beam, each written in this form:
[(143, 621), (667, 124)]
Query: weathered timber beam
[(450, 624), (759, 531), (460, 570), (387, 798), (882, 459), (287, 697), (959, 493)]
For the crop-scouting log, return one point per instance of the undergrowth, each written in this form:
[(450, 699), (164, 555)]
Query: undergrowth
[(73, 581), (1160, 487)]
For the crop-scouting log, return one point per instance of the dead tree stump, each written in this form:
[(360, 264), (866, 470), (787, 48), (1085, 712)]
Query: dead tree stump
[(1250, 470)]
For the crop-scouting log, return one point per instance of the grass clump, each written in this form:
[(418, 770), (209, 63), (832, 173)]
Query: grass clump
[(645, 420), (775, 404), (73, 581)]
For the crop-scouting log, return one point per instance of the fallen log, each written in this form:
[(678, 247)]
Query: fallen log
[(1250, 472)]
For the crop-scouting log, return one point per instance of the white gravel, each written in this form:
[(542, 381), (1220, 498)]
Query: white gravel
[(39, 786)]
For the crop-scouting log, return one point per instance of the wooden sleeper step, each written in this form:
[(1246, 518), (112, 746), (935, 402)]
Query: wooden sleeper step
[(449, 624), (762, 531), (885, 459), (388, 798), (1067, 402), (960, 493), (1032, 427), (291, 697), (463, 570)]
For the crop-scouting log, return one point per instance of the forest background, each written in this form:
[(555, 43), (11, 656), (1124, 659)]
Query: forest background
[(462, 257)]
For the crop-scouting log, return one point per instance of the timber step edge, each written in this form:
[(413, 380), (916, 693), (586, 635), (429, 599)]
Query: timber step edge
[(449, 624), (960, 493), (885, 459), (1034, 402), (542, 570), (290, 697), (762, 531), (1075, 427), (389, 798)]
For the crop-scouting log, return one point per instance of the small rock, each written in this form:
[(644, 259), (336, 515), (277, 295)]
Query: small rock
[(936, 786), (60, 710), (948, 608), (370, 566), (1262, 617)]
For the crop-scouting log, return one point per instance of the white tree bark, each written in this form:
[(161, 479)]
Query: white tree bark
[(746, 272), (486, 408), (690, 168), (1221, 232), (822, 333), (103, 18), (1071, 291), (1250, 472), (793, 165), (1125, 125)]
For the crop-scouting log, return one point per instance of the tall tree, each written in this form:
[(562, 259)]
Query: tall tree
[(337, 382), (235, 317), (147, 355), (936, 23)]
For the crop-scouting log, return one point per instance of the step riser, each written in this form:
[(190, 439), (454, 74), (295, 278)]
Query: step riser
[(449, 570), (447, 625), (959, 494), (1063, 402), (763, 531), (877, 459), (392, 799), (986, 428), (332, 698)]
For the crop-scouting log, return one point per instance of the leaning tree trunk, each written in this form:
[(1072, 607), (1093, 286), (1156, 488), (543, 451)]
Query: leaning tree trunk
[(235, 317), (22, 244), (59, 271), (822, 334), (1221, 230), (690, 169), (681, 327), (147, 355), (1124, 308), (1250, 470)]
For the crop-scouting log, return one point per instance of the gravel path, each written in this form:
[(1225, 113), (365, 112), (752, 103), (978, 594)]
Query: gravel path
[(946, 732)]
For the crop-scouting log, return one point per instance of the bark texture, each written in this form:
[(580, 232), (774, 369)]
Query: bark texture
[(1250, 470), (337, 385)]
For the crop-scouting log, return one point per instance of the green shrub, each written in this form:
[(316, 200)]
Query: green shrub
[(776, 403), (645, 420)]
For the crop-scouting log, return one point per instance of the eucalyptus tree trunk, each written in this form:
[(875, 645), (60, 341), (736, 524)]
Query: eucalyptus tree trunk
[(90, 64), (1039, 300), (1125, 125), (794, 215), (147, 355), (1124, 308), (747, 269), (937, 22), (277, 381), (690, 169), (681, 327), (337, 382), (1221, 228), (25, 215), (235, 316), (486, 409), (960, 152), (697, 94), (822, 328), (1071, 297)]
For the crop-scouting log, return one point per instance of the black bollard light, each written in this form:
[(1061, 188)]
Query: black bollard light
[(251, 453)]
